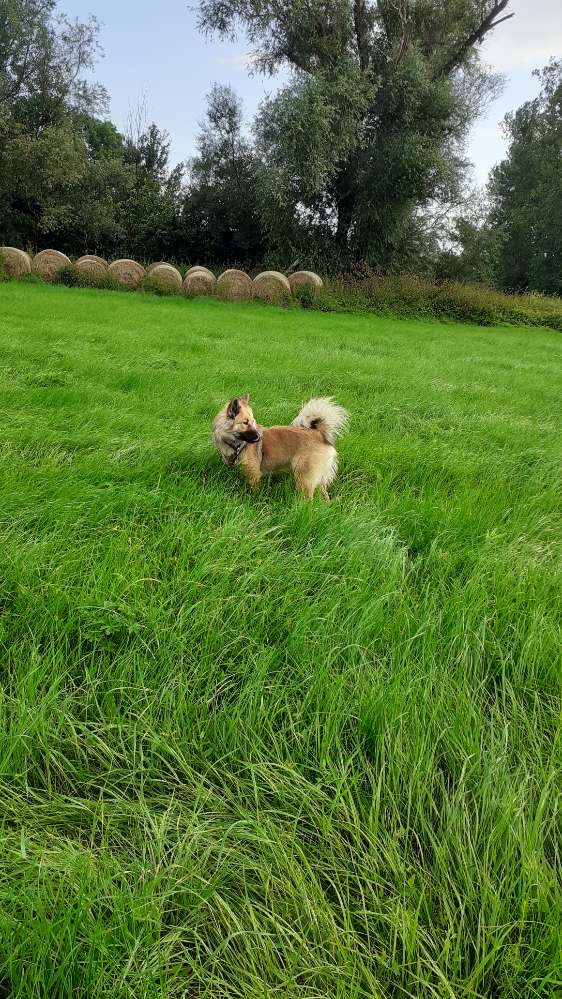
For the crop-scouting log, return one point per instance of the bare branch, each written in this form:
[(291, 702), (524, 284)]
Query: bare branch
[(487, 24)]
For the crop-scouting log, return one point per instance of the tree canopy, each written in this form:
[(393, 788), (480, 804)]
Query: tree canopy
[(371, 124), (221, 211), (526, 192)]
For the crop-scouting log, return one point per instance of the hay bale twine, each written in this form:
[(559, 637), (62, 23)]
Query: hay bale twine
[(301, 278), (48, 263), (16, 262), (200, 282), (92, 267), (199, 267), (166, 277), (235, 285), (272, 286), (127, 272)]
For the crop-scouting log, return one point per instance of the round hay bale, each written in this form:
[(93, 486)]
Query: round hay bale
[(127, 272), (16, 262), (199, 283), (199, 267), (301, 278), (235, 285), (166, 277), (158, 263), (92, 267), (92, 256), (272, 286), (48, 263)]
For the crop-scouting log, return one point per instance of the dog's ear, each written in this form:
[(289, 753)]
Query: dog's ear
[(246, 398), (233, 409)]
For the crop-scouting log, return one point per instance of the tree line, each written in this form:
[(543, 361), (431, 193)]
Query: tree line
[(356, 165)]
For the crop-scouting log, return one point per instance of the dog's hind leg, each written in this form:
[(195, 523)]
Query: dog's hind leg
[(306, 477), (328, 473)]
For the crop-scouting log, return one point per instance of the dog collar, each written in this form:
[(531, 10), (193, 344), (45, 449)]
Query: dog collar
[(236, 451)]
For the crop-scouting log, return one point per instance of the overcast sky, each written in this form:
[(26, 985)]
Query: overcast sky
[(154, 49)]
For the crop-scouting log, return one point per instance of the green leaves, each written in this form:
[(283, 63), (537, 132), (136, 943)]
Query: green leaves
[(311, 128), (526, 192)]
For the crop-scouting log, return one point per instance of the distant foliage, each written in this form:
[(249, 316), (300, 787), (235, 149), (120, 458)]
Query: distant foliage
[(526, 191), (410, 296), (221, 218)]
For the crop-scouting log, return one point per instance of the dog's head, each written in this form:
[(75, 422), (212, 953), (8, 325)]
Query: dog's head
[(240, 420)]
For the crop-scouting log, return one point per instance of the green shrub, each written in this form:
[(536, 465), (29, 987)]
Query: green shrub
[(71, 277), (151, 286), (68, 276), (108, 282), (413, 297)]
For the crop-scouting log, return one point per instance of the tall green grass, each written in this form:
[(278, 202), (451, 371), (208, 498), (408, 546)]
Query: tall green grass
[(264, 748)]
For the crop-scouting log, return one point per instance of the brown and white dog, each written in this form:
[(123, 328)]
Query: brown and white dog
[(306, 447)]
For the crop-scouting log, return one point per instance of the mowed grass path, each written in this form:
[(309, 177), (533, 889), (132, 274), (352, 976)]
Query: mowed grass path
[(258, 748)]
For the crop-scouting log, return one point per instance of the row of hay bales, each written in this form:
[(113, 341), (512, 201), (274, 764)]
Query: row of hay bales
[(234, 285)]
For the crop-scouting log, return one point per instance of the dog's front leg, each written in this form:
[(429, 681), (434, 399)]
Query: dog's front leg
[(253, 480), (251, 468)]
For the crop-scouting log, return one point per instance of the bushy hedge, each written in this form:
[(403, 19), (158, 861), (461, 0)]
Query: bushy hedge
[(74, 278), (415, 298)]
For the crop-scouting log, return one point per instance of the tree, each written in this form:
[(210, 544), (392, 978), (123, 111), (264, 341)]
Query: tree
[(67, 175), (42, 61), (42, 94), (221, 216), (371, 124), (526, 192)]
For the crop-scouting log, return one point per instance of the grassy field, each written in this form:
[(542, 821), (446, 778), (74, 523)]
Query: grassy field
[(258, 748)]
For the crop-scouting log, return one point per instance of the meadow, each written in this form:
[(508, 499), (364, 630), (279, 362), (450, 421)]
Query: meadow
[(254, 747)]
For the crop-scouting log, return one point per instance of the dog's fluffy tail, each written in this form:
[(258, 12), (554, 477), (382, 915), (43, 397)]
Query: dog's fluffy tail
[(324, 415)]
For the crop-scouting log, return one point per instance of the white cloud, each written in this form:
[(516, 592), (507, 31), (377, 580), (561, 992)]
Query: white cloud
[(241, 60), (528, 39)]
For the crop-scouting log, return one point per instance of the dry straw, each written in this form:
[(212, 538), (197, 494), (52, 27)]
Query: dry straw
[(92, 256), (198, 267), (48, 263), (235, 285), (301, 278), (127, 272), (92, 266), (166, 277), (158, 263), (272, 286), (199, 282), (16, 262)]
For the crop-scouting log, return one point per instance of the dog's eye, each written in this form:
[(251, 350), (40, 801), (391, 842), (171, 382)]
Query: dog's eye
[(246, 423)]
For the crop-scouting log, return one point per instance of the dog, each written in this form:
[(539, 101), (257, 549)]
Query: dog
[(307, 446)]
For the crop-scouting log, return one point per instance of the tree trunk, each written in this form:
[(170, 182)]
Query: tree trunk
[(345, 204)]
